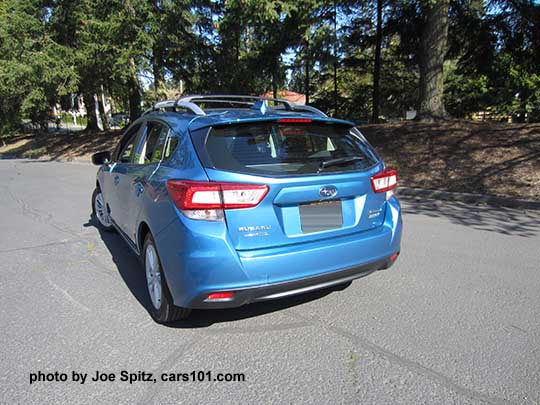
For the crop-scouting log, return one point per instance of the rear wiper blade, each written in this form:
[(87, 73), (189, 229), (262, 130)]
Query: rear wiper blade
[(337, 162)]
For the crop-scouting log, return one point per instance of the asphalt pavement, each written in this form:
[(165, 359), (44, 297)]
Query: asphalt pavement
[(455, 320)]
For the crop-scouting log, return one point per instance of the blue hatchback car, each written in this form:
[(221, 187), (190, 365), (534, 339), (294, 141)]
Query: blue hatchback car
[(230, 200)]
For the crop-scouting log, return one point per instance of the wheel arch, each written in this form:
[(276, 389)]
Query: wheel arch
[(142, 231)]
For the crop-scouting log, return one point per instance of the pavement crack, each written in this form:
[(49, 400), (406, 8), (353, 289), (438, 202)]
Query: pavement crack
[(411, 365), (151, 393), (518, 328), (62, 242), (67, 295), (37, 215)]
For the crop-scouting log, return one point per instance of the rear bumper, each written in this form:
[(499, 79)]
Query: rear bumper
[(201, 260), (248, 295)]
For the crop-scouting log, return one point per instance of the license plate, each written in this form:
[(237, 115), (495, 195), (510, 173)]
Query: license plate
[(321, 216)]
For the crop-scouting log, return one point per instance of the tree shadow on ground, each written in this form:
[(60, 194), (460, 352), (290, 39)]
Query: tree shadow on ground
[(132, 273), (69, 145), (505, 221)]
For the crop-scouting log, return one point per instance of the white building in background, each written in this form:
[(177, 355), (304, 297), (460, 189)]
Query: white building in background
[(78, 108), (410, 115)]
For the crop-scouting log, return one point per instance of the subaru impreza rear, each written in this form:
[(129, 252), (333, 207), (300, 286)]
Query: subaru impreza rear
[(268, 206)]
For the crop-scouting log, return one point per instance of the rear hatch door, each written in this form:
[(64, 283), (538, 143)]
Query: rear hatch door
[(318, 175)]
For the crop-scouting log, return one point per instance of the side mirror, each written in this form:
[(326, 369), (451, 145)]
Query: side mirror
[(101, 158)]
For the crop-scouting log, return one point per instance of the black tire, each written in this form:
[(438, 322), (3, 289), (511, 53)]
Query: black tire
[(167, 311), (97, 221)]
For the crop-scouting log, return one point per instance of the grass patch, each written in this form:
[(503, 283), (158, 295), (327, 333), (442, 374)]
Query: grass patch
[(34, 153)]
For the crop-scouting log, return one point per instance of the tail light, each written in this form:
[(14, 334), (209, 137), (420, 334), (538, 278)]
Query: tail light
[(207, 200), (385, 180)]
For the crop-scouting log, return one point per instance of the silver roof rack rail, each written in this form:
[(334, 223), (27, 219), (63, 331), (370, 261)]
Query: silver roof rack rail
[(308, 108), (190, 103), (236, 99), (250, 100), (174, 104)]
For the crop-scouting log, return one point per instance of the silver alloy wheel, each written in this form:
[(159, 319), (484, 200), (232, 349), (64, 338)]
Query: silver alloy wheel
[(101, 211), (153, 275)]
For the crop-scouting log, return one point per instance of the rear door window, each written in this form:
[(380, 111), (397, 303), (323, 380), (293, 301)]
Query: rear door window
[(282, 149), (151, 147)]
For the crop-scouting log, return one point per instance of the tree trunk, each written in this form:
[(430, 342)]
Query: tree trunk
[(102, 113), (157, 49), (111, 96), (335, 61), (274, 83), (377, 65), (157, 69), (90, 104), (307, 69), (134, 98), (433, 50), (335, 90)]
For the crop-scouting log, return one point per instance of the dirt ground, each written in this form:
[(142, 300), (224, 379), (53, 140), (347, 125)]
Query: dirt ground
[(487, 158), (64, 146), (478, 157)]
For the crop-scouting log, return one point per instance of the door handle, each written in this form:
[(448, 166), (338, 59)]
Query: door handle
[(116, 180), (139, 189)]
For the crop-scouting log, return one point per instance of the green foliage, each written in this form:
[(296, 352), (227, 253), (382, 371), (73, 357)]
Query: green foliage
[(34, 69), (145, 50), (517, 89), (465, 95)]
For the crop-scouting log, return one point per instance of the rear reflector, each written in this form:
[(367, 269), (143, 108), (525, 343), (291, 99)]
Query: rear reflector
[(226, 295), (205, 195), (394, 256), (385, 180), (294, 120)]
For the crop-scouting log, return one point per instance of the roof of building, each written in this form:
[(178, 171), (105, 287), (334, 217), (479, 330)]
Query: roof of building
[(297, 98)]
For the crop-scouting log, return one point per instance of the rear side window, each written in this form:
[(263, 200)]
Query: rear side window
[(289, 149), (151, 148), (170, 146)]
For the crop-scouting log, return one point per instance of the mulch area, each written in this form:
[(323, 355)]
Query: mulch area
[(477, 157), (66, 146)]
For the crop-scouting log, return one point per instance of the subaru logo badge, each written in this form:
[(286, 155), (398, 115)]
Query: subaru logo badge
[(328, 191)]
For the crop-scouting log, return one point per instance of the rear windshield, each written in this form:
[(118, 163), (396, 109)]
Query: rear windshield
[(289, 149)]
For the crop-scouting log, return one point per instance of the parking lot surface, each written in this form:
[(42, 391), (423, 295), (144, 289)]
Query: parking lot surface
[(455, 320)]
